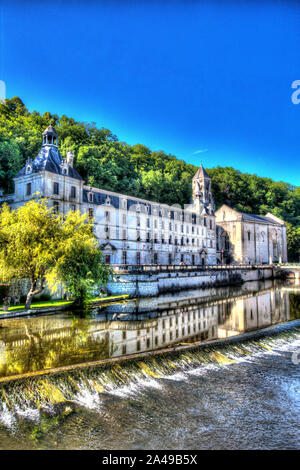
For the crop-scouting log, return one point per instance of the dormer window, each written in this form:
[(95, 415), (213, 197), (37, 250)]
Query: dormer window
[(28, 169), (65, 171), (91, 197), (124, 204), (107, 200)]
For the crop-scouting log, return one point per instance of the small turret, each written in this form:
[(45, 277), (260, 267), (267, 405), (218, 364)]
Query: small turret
[(50, 136)]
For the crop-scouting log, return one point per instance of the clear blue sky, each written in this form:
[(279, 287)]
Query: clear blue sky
[(206, 81)]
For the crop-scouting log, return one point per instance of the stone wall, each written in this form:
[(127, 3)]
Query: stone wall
[(151, 284)]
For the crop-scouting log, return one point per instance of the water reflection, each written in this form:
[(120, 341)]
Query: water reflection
[(37, 343)]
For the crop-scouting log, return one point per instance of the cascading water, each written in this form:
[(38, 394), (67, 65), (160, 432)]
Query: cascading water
[(54, 396)]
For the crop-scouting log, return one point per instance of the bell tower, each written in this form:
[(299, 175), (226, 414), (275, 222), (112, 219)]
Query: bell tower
[(202, 195), (50, 137)]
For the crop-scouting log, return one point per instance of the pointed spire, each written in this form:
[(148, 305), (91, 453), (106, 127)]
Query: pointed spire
[(201, 173)]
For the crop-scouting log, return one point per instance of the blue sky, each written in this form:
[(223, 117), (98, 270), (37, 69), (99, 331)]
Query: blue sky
[(208, 82)]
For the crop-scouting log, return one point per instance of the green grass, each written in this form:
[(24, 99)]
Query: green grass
[(60, 302), (40, 304), (110, 297)]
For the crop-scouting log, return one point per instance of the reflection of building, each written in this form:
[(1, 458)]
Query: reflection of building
[(246, 238), (251, 313), (131, 230), (52, 341), (184, 324)]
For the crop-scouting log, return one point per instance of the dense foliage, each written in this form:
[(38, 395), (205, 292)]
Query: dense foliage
[(107, 163)]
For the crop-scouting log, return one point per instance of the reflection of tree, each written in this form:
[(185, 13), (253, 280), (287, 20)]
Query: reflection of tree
[(50, 343), (294, 306)]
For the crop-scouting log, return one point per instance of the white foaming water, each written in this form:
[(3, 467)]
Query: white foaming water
[(7, 418), (88, 399), (30, 414), (124, 391), (177, 376)]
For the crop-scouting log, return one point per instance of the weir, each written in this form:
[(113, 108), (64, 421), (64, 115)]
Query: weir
[(58, 392)]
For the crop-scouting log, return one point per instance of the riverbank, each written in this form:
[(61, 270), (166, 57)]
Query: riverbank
[(50, 306), (150, 281)]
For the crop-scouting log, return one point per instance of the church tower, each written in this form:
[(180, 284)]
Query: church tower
[(202, 195)]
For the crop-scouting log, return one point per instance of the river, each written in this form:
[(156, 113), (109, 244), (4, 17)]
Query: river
[(223, 373)]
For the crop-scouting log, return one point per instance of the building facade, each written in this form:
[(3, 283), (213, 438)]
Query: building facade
[(247, 238), (130, 230)]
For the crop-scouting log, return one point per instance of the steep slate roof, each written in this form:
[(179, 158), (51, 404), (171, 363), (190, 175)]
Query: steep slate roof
[(49, 159), (201, 172)]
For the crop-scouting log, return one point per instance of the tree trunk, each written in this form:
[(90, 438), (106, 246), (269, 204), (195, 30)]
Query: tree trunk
[(34, 290)]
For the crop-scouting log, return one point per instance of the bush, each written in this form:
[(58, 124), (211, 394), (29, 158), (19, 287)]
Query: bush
[(45, 296), (3, 292)]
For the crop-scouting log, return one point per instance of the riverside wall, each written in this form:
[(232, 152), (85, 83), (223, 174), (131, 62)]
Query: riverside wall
[(142, 282)]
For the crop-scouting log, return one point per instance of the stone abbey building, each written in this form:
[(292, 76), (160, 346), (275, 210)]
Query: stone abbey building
[(131, 230)]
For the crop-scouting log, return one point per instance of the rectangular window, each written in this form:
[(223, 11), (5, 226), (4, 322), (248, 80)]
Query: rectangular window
[(124, 219), (148, 223), (138, 221), (138, 258), (55, 188), (124, 257), (28, 189), (138, 236), (107, 259), (107, 215), (124, 235), (73, 191)]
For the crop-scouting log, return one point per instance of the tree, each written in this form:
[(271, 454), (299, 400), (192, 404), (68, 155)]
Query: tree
[(80, 266), (293, 242), (34, 242)]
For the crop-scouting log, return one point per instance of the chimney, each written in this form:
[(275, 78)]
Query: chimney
[(70, 158)]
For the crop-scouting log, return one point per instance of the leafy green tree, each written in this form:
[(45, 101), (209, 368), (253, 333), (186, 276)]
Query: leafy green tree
[(80, 266)]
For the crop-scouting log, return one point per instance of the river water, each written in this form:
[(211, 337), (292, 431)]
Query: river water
[(206, 387)]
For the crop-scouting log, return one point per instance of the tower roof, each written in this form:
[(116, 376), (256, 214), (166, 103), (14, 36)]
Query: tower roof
[(201, 173), (50, 130), (49, 159)]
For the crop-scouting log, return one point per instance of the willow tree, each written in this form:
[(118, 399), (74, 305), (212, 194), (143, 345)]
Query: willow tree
[(39, 245)]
